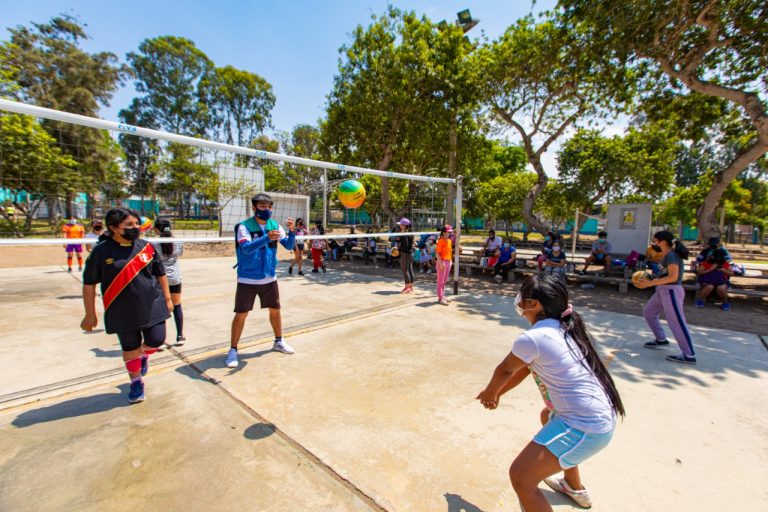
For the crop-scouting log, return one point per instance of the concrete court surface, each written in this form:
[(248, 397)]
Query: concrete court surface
[(375, 411)]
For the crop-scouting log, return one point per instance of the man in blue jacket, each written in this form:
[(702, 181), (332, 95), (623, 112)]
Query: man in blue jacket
[(256, 241)]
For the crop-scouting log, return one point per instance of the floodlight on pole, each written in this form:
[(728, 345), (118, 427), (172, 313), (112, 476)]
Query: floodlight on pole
[(465, 20)]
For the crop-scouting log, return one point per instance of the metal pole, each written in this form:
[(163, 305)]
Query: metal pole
[(457, 230), (575, 233), (325, 199)]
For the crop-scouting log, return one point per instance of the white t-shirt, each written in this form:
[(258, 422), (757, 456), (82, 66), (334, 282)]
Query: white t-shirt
[(243, 235), (568, 387), (493, 243)]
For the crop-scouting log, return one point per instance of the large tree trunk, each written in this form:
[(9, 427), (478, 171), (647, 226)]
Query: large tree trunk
[(530, 198), (706, 216)]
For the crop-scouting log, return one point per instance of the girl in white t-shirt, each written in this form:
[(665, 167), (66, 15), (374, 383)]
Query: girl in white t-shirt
[(579, 394)]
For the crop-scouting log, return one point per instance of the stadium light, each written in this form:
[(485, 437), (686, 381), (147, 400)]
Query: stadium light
[(465, 20)]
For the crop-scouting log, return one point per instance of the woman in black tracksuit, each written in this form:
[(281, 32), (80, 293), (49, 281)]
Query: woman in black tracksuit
[(405, 246)]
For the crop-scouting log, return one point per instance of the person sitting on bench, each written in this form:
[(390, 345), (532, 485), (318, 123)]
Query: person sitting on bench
[(601, 252)]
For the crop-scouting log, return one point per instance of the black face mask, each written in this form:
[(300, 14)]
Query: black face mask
[(713, 246), (130, 234), (656, 248)]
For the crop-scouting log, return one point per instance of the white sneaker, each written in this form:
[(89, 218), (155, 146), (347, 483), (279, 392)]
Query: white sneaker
[(282, 346), (581, 498), (231, 361), (497, 279)]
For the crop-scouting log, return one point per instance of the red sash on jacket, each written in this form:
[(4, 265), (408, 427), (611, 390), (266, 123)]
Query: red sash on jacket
[(125, 276)]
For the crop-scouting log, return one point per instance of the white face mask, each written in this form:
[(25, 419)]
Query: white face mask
[(556, 248), (519, 309)]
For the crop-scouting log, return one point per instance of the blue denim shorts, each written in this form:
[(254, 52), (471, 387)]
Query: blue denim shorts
[(571, 446)]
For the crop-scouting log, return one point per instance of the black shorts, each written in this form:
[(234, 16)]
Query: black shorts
[(245, 296), (175, 288), (153, 336), (299, 247)]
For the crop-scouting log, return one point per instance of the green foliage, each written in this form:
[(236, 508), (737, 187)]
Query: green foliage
[(239, 102), (31, 161), (594, 168), (503, 195), (540, 78), (168, 70)]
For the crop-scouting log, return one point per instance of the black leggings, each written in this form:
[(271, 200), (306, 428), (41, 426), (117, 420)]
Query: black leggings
[(154, 336), (405, 266)]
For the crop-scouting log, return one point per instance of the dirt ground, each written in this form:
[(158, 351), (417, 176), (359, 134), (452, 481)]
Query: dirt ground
[(749, 314)]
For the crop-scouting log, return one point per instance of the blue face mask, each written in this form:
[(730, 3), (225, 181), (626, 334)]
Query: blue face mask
[(546, 239), (506, 246), (263, 214), (602, 240)]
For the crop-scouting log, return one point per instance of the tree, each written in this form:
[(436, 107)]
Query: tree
[(31, 164), (540, 80), (49, 68), (186, 174), (168, 71), (593, 168), (240, 103), (713, 47), (141, 153), (504, 195), (400, 97)]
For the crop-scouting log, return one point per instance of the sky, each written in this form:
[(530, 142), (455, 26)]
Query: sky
[(293, 44)]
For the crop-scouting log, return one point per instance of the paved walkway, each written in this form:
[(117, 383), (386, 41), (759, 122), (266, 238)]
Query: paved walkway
[(375, 411)]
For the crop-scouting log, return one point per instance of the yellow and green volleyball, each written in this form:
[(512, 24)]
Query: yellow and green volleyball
[(352, 194), (145, 224)]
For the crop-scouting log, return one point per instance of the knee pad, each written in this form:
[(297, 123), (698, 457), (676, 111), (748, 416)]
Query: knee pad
[(133, 365)]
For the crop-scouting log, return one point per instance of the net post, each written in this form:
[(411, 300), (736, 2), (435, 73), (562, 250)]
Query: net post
[(325, 200), (575, 233), (457, 230)]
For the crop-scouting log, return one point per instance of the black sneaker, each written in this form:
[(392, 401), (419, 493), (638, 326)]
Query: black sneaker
[(290, 270), (656, 344), (323, 268), (682, 359), (69, 270), (301, 273), (180, 340), (314, 270)]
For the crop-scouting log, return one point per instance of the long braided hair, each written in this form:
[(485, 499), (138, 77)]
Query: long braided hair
[(552, 293)]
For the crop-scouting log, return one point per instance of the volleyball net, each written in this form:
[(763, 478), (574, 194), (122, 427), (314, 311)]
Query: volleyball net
[(56, 165)]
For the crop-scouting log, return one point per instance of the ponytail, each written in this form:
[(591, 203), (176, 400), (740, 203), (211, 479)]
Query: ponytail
[(575, 329), (677, 246), (552, 293), (164, 227)]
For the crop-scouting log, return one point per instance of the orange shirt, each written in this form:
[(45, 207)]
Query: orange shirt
[(444, 248), (73, 231)]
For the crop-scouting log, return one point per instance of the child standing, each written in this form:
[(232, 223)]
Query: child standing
[(669, 298), (318, 246), (579, 394), (444, 258), (134, 288), (298, 251), (169, 255)]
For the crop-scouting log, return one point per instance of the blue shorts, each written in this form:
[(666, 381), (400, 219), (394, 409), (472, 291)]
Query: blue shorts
[(571, 446)]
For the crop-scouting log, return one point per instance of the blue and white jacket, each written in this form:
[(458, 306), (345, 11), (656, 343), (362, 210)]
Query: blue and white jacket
[(256, 253)]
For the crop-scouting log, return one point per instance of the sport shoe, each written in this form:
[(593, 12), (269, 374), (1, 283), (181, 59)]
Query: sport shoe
[(699, 303), (290, 270), (231, 361), (301, 273), (497, 279), (180, 340), (444, 303), (323, 268), (281, 346), (726, 307), (69, 270), (144, 365), (314, 270), (581, 498), (682, 358), (656, 344), (136, 394)]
